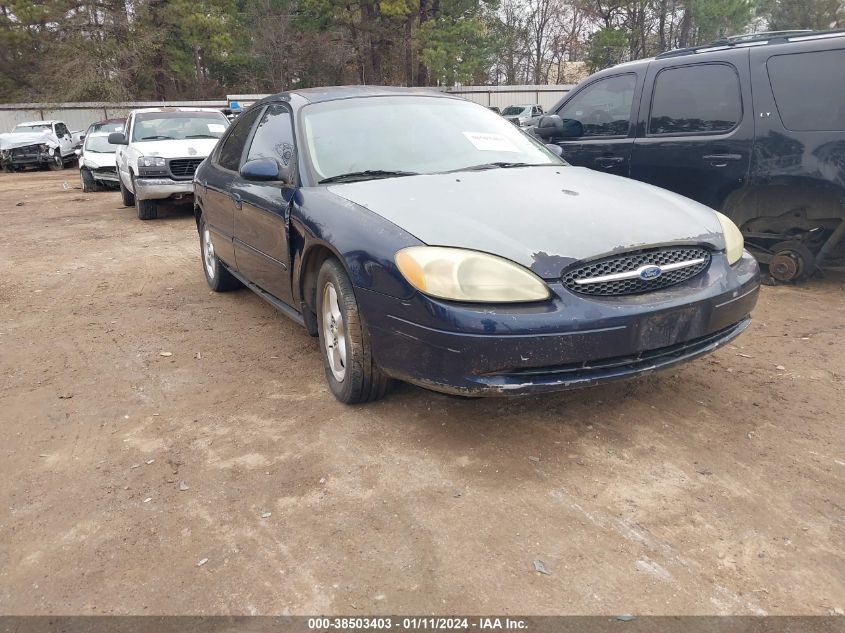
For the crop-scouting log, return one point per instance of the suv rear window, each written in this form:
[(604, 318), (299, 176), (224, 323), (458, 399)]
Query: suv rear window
[(699, 99), (809, 89)]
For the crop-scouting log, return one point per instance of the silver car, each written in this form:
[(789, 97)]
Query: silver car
[(523, 115)]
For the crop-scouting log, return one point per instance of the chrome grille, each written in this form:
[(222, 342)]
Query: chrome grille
[(681, 263), (184, 168)]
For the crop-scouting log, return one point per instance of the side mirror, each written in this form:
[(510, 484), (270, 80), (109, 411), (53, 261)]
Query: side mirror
[(270, 169), (552, 126), (117, 138), (261, 170), (81, 137)]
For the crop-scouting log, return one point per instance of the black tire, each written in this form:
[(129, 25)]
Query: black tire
[(56, 163), (127, 196), (217, 276), (89, 185), (362, 380), (147, 209)]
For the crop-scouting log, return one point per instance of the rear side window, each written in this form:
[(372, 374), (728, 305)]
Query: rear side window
[(233, 146), (274, 136), (809, 89), (700, 99), (604, 107)]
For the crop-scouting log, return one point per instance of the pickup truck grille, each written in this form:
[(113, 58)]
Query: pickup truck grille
[(184, 168), (30, 151)]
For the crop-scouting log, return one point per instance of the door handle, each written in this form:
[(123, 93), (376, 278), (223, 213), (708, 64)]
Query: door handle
[(609, 161), (721, 160), (236, 199)]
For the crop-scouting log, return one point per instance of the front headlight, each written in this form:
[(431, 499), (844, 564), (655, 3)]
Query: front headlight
[(463, 275), (151, 166), (734, 242)]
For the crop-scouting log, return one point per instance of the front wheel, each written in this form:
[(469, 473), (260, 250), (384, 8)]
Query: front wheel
[(147, 209), (56, 163), (127, 196), (351, 372), (88, 183)]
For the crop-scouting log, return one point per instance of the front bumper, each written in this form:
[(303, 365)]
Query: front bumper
[(161, 188), (570, 342)]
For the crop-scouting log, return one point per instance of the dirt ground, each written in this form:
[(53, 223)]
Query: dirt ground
[(718, 488)]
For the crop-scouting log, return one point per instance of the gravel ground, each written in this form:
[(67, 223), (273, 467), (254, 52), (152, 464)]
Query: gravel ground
[(168, 450)]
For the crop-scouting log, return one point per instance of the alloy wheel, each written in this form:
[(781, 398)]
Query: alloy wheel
[(334, 332)]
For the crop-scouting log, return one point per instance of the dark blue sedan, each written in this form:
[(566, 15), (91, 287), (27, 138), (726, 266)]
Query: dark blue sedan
[(426, 239)]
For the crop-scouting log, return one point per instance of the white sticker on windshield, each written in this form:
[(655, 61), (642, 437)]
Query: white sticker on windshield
[(216, 127), (490, 142)]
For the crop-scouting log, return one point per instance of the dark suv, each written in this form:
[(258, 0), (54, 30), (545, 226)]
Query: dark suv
[(753, 126)]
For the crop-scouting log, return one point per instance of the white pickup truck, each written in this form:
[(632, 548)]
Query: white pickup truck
[(159, 152), (38, 144)]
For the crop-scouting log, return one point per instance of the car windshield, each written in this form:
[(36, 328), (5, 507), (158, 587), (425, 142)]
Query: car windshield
[(514, 110), (99, 143), (111, 126), (40, 127), (386, 136), (160, 126)]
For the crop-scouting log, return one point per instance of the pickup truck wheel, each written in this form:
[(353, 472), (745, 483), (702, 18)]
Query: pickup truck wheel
[(147, 209), (56, 163), (216, 274), (88, 183), (127, 196), (351, 372)]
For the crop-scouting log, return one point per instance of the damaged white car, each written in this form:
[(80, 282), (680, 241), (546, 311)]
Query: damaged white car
[(38, 144)]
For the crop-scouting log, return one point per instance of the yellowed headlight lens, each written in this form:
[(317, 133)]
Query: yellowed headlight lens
[(463, 275), (734, 242)]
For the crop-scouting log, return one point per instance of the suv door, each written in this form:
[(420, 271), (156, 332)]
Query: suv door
[(262, 221), (696, 127), (65, 139), (221, 198), (604, 109)]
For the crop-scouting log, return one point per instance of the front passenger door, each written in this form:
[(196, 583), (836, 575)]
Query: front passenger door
[(603, 109), (262, 221)]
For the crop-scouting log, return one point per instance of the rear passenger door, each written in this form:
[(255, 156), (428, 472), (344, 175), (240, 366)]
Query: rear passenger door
[(262, 219), (696, 127), (604, 108)]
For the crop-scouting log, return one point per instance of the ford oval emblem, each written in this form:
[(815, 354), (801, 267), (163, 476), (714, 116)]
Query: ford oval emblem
[(650, 272)]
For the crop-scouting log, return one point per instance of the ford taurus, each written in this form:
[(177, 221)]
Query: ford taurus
[(423, 238)]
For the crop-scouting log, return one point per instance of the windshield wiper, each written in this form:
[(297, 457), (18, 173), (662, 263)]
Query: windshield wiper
[(366, 175), (156, 138), (201, 136), (498, 165)]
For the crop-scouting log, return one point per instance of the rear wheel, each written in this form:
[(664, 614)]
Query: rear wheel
[(87, 178), (351, 372), (216, 274), (127, 196), (56, 163)]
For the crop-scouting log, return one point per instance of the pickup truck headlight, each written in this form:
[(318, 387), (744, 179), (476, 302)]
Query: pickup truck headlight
[(463, 275), (152, 166), (734, 242)]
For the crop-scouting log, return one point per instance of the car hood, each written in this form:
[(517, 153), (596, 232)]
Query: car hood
[(97, 159), (541, 217), (13, 140), (190, 148)]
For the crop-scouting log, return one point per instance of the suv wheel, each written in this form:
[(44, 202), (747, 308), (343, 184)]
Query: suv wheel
[(216, 274), (147, 209), (350, 370), (56, 163)]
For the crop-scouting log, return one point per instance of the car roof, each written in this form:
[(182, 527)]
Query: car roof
[(332, 93), (51, 121), (104, 121)]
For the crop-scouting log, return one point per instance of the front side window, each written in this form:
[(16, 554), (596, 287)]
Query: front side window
[(233, 147), (603, 108), (419, 135), (514, 111), (699, 99), (273, 136), (61, 130), (809, 89), (165, 126)]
